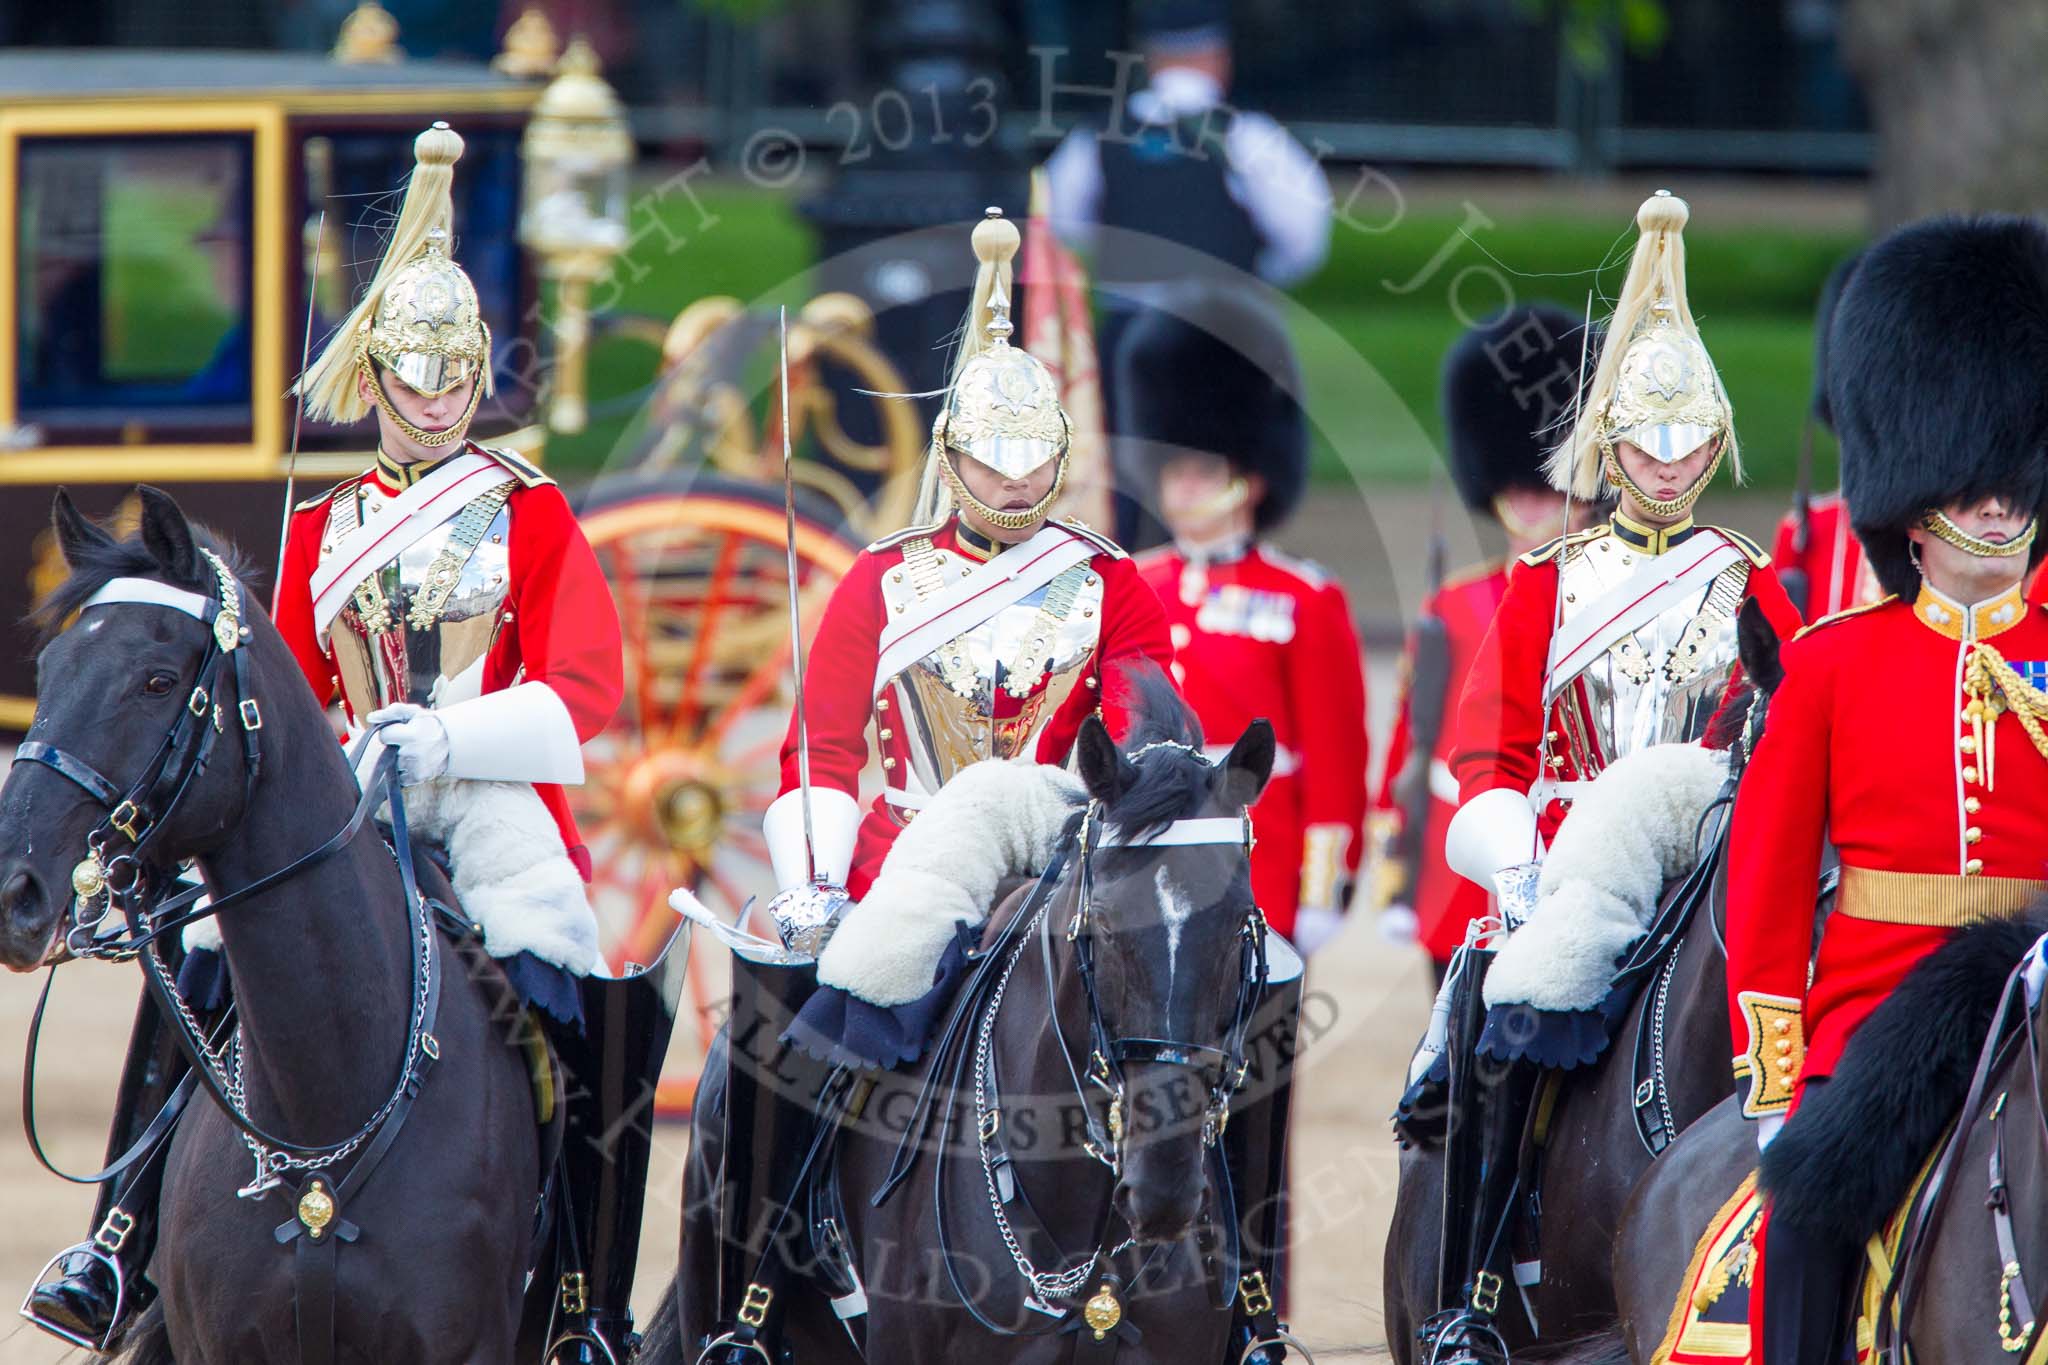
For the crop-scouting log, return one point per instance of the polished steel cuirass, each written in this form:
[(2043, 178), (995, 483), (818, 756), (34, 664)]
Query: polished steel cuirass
[(1659, 683), (988, 692), (418, 628)]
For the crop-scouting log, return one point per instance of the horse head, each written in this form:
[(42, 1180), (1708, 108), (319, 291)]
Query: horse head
[(1739, 723), (1172, 944), (137, 720)]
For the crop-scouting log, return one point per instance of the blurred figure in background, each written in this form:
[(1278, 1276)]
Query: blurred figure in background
[(1178, 166), (1508, 386), (1223, 442), (1819, 559)]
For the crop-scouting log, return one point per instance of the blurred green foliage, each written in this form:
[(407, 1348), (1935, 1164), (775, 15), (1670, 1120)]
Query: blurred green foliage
[(1393, 294)]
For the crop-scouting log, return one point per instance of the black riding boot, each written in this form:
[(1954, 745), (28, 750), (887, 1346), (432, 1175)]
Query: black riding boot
[(1503, 1093), (1805, 1280), (772, 1126), (101, 1288), (1255, 1150), (611, 1073)]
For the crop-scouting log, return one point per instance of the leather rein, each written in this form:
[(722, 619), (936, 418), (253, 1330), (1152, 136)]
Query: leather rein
[(141, 889)]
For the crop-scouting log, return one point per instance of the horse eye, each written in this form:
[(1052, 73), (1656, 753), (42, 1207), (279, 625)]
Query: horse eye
[(159, 684)]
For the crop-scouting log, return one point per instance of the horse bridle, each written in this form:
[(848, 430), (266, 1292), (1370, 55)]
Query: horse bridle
[(1222, 1069), (130, 882), (136, 813)]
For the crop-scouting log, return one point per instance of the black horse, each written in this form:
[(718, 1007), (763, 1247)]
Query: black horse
[(431, 1254), (1950, 1063), (1118, 1037), (1667, 1066)]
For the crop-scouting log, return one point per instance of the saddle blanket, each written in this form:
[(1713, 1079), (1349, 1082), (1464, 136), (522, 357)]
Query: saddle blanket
[(1710, 1323)]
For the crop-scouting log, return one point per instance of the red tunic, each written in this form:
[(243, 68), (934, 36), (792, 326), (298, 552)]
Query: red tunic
[(1259, 634), (1501, 717), (1868, 747), (839, 677), (1444, 903), (562, 627), (1837, 575)]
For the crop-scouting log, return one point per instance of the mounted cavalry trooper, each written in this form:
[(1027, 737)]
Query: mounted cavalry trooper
[(1906, 733), (984, 632), (1505, 384), (1612, 650), (1217, 424), (449, 599)]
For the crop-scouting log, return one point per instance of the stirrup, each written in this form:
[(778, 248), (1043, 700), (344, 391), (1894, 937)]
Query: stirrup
[(1462, 1336), (731, 1339), (576, 1338), (1282, 1338), (94, 1249)]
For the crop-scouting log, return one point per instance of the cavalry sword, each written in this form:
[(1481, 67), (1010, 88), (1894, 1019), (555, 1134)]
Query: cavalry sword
[(291, 467), (796, 624)]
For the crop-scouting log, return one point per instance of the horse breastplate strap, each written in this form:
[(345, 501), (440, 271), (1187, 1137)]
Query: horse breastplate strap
[(1658, 682), (424, 617), (989, 691)]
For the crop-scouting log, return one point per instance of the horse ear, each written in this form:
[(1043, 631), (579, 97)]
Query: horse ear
[(1756, 641), (168, 536), (1104, 770), (1247, 766), (77, 534)]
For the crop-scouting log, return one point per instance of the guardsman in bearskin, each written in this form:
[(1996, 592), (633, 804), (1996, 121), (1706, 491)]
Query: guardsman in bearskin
[(1256, 633), (985, 631), (1819, 559), (1608, 641), (1905, 733), (448, 598), (1507, 387)]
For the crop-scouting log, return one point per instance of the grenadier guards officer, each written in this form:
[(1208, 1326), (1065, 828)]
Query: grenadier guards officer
[(1256, 633), (984, 631), (1819, 559), (1506, 383), (1905, 733), (1607, 641)]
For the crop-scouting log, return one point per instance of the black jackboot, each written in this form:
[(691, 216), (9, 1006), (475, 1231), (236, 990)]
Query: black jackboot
[(100, 1286), (1255, 1152), (773, 1110), (612, 1072)]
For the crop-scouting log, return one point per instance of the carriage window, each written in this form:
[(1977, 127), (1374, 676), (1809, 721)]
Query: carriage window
[(134, 268)]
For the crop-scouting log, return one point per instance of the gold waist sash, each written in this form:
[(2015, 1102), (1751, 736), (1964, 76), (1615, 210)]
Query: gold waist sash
[(1932, 899)]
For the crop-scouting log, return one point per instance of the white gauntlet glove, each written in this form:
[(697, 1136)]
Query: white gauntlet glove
[(420, 738)]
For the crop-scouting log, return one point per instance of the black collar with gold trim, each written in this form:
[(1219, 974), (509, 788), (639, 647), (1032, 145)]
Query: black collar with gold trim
[(973, 543), (402, 476), (1654, 540)]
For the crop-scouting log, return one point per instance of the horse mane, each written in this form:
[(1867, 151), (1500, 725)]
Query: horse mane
[(97, 563), (1847, 1158), (1165, 744)]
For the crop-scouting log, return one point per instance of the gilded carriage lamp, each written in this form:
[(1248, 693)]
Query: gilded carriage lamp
[(578, 151)]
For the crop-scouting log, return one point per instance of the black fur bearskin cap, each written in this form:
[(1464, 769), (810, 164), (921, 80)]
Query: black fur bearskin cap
[(1213, 370), (1508, 396), (1935, 359)]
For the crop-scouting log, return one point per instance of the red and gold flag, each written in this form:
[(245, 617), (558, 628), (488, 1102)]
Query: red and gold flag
[(1059, 331)]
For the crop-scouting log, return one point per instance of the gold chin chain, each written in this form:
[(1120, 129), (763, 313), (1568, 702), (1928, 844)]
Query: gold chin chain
[(1993, 686), (1670, 507), (1944, 529), (1008, 521), (431, 439)]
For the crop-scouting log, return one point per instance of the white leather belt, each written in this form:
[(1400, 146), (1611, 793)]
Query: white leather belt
[(907, 800)]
